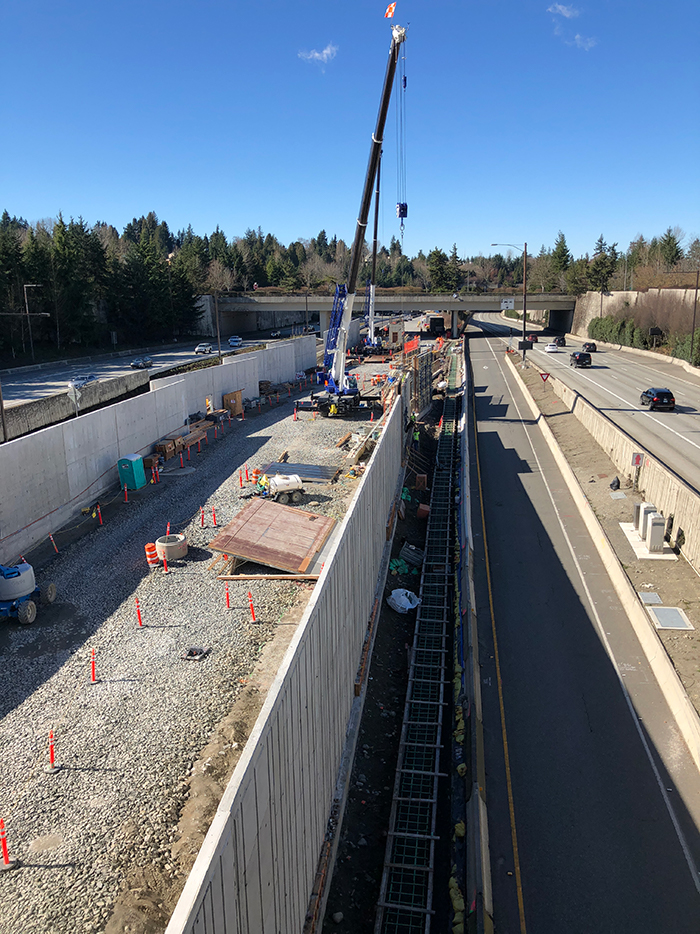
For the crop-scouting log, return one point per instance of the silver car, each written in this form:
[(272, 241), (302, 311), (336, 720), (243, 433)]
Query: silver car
[(83, 379)]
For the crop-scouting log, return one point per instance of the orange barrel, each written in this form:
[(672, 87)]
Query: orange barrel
[(152, 555), (255, 476)]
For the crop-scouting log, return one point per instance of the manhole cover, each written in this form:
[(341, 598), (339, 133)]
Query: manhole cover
[(650, 598), (670, 617)]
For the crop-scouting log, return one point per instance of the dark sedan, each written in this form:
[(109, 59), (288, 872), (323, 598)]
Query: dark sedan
[(589, 347), (141, 363), (579, 358), (560, 341), (658, 399)]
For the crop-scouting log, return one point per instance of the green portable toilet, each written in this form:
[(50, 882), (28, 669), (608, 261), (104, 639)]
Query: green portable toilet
[(131, 472)]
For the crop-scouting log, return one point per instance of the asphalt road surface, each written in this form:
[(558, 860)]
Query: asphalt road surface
[(613, 384), (28, 383), (594, 827)]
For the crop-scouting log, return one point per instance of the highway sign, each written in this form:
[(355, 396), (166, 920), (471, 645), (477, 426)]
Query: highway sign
[(507, 304)]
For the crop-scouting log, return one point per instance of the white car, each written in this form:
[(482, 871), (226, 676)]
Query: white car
[(83, 379), (551, 348), (235, 341), (203, 348)]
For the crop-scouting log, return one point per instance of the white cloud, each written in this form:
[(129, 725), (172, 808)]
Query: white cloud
[(320, 58), (584, 42), (567, 11), (563, 31)]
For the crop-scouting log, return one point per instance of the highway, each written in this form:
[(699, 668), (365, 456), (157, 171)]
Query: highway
[(28, 383), (593, 800), (613, 384)]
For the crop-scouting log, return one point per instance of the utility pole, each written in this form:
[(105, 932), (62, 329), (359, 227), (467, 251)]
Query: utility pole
[(695, 308), (30, 285)]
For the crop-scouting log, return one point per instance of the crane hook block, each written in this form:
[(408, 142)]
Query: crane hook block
[(402, 209)]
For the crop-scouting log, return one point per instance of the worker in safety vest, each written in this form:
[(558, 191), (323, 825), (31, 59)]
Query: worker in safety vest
[(416, 438)]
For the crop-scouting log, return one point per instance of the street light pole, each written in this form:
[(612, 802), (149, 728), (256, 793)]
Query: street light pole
[(695, 308), (524, 296), (29, 285)]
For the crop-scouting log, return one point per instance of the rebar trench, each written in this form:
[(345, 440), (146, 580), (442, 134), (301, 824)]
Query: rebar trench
[(405, 903)]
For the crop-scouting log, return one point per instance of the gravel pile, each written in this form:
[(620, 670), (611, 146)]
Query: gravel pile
[(128, 743)]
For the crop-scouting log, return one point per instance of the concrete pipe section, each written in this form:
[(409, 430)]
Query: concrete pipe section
[(171, 547)]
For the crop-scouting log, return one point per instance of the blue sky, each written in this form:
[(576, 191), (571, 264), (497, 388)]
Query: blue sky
[(523, 118)]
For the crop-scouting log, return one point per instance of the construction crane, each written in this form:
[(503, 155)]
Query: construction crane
[(342, 394)]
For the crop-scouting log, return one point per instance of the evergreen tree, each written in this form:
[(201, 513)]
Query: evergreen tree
[(577, 276), (602, 267), (670, 249), (561, 258), (438, 271)]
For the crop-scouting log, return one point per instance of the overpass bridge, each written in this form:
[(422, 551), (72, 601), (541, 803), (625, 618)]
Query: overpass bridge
[(258, 312)]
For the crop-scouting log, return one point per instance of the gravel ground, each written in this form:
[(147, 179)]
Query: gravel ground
[(128, 744)]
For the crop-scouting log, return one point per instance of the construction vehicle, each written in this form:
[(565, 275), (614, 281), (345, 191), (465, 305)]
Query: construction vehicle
[(436, 325), (341, 394), (19, 593), (281, 488)]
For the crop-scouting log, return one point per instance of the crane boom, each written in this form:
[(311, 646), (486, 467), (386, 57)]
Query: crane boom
[(337, 374)]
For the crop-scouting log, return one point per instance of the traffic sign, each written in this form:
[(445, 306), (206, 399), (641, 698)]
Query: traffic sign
[(545, 376), (637, 460), (507, 304)]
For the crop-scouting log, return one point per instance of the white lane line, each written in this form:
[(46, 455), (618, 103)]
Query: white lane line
[(608, 648), (636, 408)]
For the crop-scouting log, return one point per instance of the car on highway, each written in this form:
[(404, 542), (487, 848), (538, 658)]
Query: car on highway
[(141, 363), (533, 338), (560, 341), (551, 348), (658, 399), (589, 347), (203, 348), (309, 329), (235, 341), (579, 358), (77, 382), (276, 334)]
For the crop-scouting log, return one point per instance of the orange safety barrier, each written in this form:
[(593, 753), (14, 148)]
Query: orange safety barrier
[(152, 555)]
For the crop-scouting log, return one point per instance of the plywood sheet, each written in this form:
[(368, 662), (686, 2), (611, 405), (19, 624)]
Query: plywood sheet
[(279, 536)]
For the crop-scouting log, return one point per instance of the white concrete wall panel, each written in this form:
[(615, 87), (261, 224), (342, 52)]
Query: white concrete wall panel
[(46, 477), (242, 372), (276, 806), (91, 451)]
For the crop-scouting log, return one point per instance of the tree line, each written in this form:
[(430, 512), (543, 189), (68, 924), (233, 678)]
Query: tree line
[(87, 286)]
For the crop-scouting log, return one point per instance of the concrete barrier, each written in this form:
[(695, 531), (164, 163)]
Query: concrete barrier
[(679, 703), (40, 413), (256, 868)]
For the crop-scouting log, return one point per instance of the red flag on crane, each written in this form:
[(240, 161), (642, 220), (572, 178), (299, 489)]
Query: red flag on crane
[(390, 11)]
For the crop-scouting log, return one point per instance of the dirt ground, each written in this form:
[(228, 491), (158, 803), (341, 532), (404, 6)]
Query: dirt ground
[(676, 582)]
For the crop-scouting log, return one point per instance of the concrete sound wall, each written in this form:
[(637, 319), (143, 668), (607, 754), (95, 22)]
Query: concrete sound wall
[(255, 871), (48, 476), (671, 495), (40, 413)]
